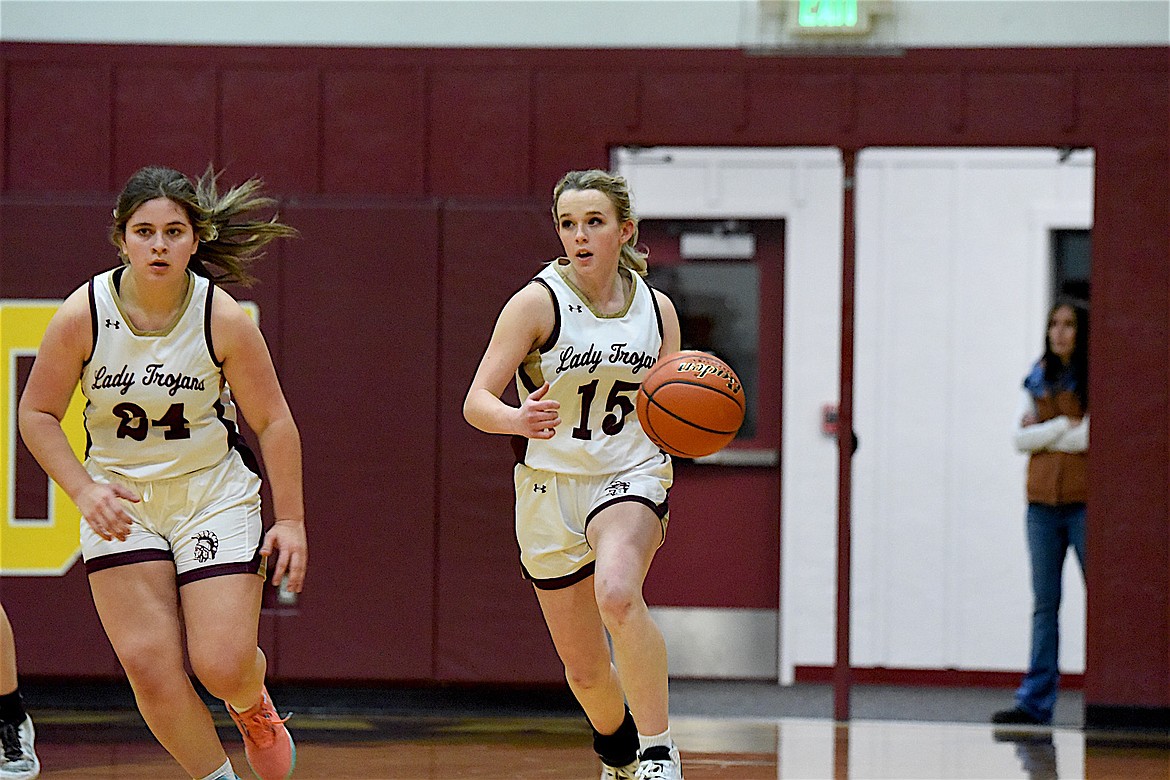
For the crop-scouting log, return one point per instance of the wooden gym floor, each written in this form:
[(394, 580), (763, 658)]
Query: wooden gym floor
[(78, 743)]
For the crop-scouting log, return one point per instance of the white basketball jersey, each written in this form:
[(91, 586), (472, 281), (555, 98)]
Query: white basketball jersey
[(156, 408), (594, 364)]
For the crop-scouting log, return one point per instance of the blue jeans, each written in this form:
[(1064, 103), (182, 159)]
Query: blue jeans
[(1051, 531)]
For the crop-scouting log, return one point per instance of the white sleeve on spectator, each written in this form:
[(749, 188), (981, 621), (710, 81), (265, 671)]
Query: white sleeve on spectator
[(1075, 439), (1041, 436)]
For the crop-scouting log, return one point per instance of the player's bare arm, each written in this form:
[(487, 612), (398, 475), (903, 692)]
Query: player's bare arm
[(67, 343), (248, 369), (523, 325), (671, 331)]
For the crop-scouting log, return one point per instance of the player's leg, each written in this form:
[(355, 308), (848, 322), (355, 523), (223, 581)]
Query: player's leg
[(625, 537), (7, 655), (18, 758), (139, 609), (221, 578), (550, 530), (579, 637), (221, 616)]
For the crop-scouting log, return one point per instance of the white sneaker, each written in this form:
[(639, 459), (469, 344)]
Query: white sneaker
[(627, 772), (659, 763), (18, 760)]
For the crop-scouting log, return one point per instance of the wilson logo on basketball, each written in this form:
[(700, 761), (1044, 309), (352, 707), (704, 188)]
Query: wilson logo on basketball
[(702, 368)]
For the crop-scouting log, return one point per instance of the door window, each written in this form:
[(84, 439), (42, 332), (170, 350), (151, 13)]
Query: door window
[(1071, 253), (721, 276)]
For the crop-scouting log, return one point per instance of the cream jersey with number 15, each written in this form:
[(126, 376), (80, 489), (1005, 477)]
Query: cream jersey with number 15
[(157, 403), (594, 364)]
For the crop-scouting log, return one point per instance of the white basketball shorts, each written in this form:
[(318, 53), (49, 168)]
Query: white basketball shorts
[(207, 522), (553, 510)]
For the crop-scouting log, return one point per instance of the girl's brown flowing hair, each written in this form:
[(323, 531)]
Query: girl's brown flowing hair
[(228, 240)]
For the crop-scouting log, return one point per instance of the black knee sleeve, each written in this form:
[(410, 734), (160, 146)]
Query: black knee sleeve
[(621, 747)]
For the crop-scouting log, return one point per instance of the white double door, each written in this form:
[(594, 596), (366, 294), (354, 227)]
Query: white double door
[(954, 276)]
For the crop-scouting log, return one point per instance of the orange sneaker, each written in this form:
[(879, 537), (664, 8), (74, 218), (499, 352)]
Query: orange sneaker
[(267, 743)]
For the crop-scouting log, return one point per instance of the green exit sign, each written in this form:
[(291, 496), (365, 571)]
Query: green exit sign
[(827, 13), (832, 16)]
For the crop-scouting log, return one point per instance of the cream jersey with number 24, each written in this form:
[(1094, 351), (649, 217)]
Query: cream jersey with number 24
[(157, 403), (594, 364)]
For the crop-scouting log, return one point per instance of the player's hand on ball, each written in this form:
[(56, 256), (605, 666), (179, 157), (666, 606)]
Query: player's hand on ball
[(539, 418)]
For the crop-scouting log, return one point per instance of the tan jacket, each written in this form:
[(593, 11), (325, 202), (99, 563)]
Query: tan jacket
[(1058, 468)]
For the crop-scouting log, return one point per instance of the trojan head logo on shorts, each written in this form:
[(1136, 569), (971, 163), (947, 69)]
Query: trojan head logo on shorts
[(617, 487), (206, 546)]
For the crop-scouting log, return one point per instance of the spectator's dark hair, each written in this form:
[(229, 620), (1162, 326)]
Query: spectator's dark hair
[(1054, 367)]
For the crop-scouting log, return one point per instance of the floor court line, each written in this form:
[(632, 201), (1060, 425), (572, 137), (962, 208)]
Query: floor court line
[(114, 744)]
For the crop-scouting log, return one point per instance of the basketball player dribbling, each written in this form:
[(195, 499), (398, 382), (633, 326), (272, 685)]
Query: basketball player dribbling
[(591, 488), (169, 495)]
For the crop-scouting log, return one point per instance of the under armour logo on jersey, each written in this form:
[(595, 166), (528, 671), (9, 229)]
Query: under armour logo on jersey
[(616, 487), (206, 546), (540, 488), (113, 324), (577, 307)]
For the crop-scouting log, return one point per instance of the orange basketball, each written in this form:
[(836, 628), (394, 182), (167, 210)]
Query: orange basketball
[(690, 404)]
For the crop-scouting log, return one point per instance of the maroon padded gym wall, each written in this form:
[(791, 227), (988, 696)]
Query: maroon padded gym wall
[(357, 360), (420, 182)]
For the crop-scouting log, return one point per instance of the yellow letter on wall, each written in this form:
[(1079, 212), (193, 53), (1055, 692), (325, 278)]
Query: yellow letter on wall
[(33, 546)]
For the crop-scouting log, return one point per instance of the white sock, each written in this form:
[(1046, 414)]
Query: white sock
[(225, 772), (658, 740)]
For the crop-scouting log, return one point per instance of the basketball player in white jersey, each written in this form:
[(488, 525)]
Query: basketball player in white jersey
[(591, 488), (170, 496)]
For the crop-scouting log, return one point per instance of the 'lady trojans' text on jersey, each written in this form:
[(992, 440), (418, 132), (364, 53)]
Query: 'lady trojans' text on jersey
[(157, 404), (594, 364)]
